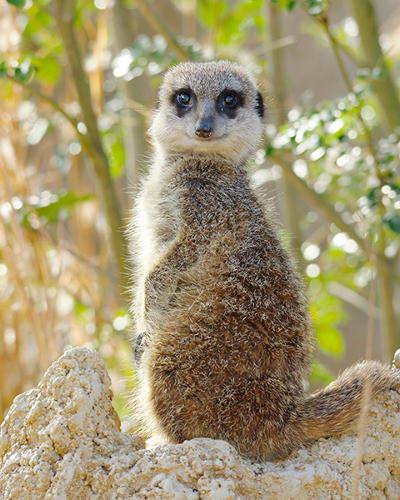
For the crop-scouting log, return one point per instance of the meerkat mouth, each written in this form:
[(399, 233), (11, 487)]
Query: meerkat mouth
[(208, 139)]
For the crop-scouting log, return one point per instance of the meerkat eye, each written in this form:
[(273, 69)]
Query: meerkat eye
[(183, 98), (228, 102), (231, 100)]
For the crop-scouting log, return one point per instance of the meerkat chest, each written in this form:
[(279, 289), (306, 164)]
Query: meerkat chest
[(159, 218)]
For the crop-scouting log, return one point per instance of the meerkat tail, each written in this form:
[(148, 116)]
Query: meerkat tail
[(335, 408)]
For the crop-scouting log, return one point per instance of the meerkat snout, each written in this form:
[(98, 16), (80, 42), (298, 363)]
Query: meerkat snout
[(205, 123)]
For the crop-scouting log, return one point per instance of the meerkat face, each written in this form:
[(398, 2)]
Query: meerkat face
[(208, 108)]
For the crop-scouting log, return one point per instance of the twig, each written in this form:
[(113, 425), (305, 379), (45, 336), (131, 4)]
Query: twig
[(57, 107), (53, 103), (351, 297), (85, 260), (318, 201), (384, 86), (358, 61), (159, 27), (335, 49), (139, 107), (392, 333), (326, 209), (270, 46)]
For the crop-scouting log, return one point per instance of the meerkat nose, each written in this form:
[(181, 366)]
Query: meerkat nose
[(204, 127), (203, 132)]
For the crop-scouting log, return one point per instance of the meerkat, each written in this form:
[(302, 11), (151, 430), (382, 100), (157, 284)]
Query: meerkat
[(224, 330)]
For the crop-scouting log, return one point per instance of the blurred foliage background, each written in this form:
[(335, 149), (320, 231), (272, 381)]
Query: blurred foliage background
[(78, 81)]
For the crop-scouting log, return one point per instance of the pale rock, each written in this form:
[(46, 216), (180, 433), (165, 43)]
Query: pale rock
[(61, 441)]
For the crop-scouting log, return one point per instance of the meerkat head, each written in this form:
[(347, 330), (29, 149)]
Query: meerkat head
[(209, 108)]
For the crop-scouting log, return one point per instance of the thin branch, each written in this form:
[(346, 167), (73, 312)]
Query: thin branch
[(335, 49), (139, 108), (159, 27), (318, 201), (384, 86), (64, 16), (84, 260), (53, 103), (355, 299), (270, 46), (355, 58), (392, 333), (330, 213), (132, 112), (57, 107)]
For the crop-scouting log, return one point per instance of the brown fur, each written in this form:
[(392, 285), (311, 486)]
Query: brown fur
[(228, 338)]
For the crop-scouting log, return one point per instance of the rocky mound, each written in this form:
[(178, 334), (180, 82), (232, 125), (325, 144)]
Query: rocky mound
[(62, 441)]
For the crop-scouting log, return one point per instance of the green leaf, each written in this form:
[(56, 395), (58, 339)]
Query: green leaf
[(17, 3), (24, 71), (38, 21), (83, 312), (114, 146), (268, 150), (330, 340), (327, 312), (52, 207), (316, 7), (392, 221), (211, 11), (373, 196), (3, 69), (320, 374), (286, 4), (394, 187), (48, 69)]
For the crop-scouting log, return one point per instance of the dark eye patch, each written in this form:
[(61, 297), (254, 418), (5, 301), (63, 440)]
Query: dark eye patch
[(260, 105), (229, 101), (184, 99)]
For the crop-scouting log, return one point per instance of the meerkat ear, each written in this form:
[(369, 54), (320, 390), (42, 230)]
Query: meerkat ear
[(260, 105)]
